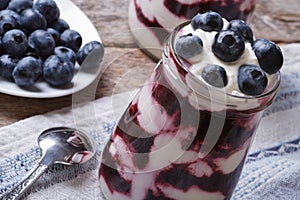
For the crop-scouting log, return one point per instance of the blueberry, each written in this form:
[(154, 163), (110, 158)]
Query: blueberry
[(58, 71), (7, 22), (4, 4), (60, 25), (7, 65), (252, 80), (19, 5), (55, 34), (15, 42), (228, 45), (48, 8), (31, 20), (87, 50), (242, 28), (188, 46), (42, 42), (208, 21), (215, 75), (11, 13), (34, 55), (269, 55), (1, 48), (27, 71), (65, 52), (72, 39)]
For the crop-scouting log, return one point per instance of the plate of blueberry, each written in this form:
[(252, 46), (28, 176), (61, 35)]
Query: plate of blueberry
[(48, 48)]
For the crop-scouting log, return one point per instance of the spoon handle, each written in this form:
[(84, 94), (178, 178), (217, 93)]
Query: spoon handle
[(25, 184)]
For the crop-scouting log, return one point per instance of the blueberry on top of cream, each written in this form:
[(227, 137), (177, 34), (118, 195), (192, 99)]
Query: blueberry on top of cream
[(188, 46), (242, 28), (228, 45), (208, 21), (215, 75), (269, 55), (226, 54), (252, 80)]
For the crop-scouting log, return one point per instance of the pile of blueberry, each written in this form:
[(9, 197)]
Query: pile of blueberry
[(228, 46), (36, 44)]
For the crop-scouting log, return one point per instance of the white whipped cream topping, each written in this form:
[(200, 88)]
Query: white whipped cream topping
[(196, 88), (207, 57)]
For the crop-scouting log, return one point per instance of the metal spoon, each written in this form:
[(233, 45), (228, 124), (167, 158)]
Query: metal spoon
[(59, 145)]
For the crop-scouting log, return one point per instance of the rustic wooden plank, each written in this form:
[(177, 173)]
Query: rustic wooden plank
[(110, 19), (277, 20), (126, 68)]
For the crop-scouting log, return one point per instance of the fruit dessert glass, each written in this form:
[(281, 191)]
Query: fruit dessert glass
[(186, 134), (151, 21)]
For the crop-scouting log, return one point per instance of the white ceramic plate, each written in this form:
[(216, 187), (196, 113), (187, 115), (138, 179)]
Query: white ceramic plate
[(78, 21)]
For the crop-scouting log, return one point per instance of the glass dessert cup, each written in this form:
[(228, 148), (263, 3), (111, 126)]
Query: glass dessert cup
[(152, 21), (181, 138)]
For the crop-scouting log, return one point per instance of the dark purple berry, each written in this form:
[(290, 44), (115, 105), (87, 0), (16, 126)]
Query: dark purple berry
[(60, 25), (19, 5), (242, 28), (72, 39), (48, 8), (269, 55), (7, 22), (208, 21), (55, 34), (228, 45), (31, 20), (215, 75), (42, 42), (11, 13), (27, 71), (58, 71), (252, 80), (1, 48), (7, 65), (65, 52), (93, 47), (188, 46), (15, 42), (4, 4), (34, 55)]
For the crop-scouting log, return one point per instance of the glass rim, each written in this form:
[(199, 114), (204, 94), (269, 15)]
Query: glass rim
[(268, 92)]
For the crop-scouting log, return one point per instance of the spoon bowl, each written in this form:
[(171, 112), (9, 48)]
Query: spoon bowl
[(66, 146), (59, 145)]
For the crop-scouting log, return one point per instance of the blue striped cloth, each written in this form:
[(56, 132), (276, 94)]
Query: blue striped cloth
[(269, 174)]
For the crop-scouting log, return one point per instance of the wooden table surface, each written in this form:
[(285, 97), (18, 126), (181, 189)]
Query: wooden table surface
[(126, 66)]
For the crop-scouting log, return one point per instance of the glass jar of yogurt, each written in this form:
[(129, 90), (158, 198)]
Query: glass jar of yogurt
[(187, 132), (150, 21)]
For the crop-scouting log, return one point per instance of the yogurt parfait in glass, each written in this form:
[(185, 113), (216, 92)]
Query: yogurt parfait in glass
[(186, 134)]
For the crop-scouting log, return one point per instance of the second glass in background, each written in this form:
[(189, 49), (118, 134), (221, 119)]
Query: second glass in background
[(151, 21)]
